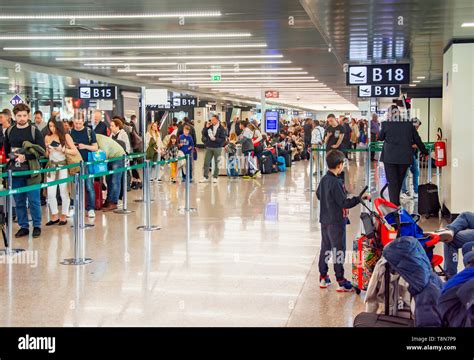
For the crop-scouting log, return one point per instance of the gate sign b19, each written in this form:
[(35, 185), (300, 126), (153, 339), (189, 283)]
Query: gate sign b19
[(379, 91), (385, 74), (98, 92)]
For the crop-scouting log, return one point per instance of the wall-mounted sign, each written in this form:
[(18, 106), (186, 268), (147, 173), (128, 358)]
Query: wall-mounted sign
[(98, 92), (384, 74), (271, 122), (379, 91), (271, 94), (215, 77), (16, 100)]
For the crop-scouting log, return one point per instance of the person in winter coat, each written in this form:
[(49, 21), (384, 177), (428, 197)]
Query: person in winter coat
[(456, 303), (408, 258), (213, 136)]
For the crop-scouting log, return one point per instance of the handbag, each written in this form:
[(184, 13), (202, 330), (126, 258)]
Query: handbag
[(100, 167), (73, 159), (195, 154), (3, 156)]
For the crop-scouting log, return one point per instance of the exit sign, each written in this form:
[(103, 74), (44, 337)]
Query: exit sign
[(215, 77)]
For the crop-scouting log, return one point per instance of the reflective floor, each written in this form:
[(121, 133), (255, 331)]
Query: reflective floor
[(246, 257)]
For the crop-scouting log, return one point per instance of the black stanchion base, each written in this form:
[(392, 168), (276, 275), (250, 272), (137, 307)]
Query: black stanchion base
[(81, 261), (87, 226), (11, 251), (123, 211), (148, 228), (142, 201), (309, 190), (184, 210)]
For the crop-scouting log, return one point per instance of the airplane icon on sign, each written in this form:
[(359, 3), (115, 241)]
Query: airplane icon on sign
[(359, 75)]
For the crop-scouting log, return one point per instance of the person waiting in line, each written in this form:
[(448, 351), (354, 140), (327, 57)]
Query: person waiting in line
[(25, 144), (334, 205), (58, 143), (117, 132), (171, 153), (192, 130), (134, 122), (398, 136), (334, 134), (186, 145), (374, 132), (154, 149), (86, 141), (354, 133), (39, 122), (213, 136), (414, 169), (112, 150), (245, 140), (308, 130), (232, 160), (98, 125), (346, 142), (317, 142)]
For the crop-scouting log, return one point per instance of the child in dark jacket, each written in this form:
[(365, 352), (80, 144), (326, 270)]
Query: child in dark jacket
[(334, 205)]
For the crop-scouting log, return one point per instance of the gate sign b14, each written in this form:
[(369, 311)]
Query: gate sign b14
[(379, 91), (98, 92), (385, 74)]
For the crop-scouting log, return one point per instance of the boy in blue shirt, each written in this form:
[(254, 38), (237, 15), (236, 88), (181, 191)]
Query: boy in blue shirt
[(186, 145), (334, 206)]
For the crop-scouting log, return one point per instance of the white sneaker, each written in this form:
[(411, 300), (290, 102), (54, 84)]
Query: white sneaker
[(71, 213), (91, 214), (214, 180), (204, 180), (119, 203)]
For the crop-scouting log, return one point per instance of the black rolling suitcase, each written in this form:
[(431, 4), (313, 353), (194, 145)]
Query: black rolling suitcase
[(428, 198), (266, 165), (288, 160)]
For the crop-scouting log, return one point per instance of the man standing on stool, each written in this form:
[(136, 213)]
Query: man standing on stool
[(213, 136)]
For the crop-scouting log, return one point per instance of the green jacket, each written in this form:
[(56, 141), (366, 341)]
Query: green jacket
[(37, 151), (151, 153)]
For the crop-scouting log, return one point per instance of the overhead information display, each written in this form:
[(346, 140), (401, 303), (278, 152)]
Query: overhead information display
[(384, 74)]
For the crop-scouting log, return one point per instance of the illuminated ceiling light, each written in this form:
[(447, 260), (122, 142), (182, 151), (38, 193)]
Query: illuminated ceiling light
[(106, 36), (238, 79), (468, 24), (180, 57), (135, 47), (241, 80), (416, 81), (412, 85), (258, 62), (421, 77), (4, 78), (230, 70), (93, 16), (123, 64), (227, 73)]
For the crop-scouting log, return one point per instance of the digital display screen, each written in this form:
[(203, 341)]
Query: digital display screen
[(271, 121)]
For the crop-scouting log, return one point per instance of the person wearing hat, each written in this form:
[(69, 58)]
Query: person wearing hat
[(456, 303), (455, 236), (414, 168)]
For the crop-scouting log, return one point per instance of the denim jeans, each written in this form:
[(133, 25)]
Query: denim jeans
[(114, 182), (463, 228), (415, 170), (34, 204), (90, 193)]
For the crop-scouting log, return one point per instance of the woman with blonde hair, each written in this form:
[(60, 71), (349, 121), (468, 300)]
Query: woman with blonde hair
[(154, 148)]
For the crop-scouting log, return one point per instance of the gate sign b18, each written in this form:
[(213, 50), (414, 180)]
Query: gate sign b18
[(386, 74)]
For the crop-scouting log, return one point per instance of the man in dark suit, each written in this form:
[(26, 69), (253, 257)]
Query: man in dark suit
[(399, 136), (98, 125)]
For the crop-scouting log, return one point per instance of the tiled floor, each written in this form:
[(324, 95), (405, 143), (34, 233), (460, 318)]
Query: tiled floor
[(247, 257)]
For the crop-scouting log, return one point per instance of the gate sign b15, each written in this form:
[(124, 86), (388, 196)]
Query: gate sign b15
[(385, 74), (379, 91), (98, 92)]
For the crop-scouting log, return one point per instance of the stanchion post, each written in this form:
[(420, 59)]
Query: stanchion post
[(310, 173), (78, 258), (124, 209), (318, 164), (187, 206), (8, 249), (82, 201), (146, 191)]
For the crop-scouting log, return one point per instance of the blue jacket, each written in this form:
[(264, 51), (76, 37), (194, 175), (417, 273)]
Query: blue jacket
[(456, 303), (408, 258)]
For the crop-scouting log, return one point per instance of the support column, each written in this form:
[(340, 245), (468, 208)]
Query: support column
[(263, 105), (457, 192)]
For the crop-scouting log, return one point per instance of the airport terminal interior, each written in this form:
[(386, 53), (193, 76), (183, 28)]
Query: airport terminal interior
[(190, 162)]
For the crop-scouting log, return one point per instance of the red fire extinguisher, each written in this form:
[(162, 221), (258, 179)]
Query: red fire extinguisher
[(440, 150)]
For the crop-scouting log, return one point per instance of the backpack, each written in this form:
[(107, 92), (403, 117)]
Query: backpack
[(33, 132)]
